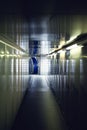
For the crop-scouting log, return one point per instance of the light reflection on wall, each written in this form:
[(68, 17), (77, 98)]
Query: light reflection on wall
[(76, 52), (13, 84), (62, 55), (67, 66), (25, 66), (81, 66), (72, 66)]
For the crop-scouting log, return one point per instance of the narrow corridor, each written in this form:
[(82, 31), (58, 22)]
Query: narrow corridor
[(39, 110), (43, 71)]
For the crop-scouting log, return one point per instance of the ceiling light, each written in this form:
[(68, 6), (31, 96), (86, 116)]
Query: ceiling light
[(60, 51), (71, 47)]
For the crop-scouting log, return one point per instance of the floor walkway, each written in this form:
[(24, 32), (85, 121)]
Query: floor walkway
[(39, 110)]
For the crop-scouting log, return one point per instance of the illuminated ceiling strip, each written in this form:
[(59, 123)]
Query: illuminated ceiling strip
[(63, 48), (20, 49), (55, 51), (79, 41), (71, 47)]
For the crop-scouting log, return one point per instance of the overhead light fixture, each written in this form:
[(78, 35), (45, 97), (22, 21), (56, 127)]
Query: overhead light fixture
[(72, 39), (75, 42), (71, 47), (60, 51), (12, 46)]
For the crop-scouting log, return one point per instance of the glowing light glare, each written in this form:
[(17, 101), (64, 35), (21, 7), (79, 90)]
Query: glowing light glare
[(44, 47), (2, 52), (62, 42), (45, 66), (7, 55), (71, 47), (1, 56), (10, 55), (7, 44), (59, 46), (60, 51), (18, 55), (71, 39), (81, 66), (74, 46), (76, 52), (7, 52)]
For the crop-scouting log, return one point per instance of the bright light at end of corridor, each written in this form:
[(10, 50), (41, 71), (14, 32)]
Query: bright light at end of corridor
[(44, 66), (44, 47)]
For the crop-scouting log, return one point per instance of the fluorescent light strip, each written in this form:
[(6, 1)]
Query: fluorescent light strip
[(10, 45), (71, 39), (13, 55), (60, 51), (71, 47)]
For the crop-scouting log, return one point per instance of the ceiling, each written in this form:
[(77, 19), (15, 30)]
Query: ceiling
[(27, 21), (35, 7)]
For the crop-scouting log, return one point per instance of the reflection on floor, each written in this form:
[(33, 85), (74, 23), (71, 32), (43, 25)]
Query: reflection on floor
[(12, 90), (39, 110)]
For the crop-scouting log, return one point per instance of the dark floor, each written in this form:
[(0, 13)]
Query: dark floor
[(39, 110)]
